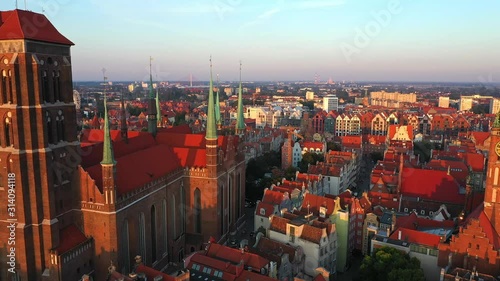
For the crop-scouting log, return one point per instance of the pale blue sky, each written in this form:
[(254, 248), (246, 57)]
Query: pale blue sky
[(424, 40)]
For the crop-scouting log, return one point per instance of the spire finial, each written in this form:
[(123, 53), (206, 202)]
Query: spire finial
[(240, 123), (211, 128), (107, 151)]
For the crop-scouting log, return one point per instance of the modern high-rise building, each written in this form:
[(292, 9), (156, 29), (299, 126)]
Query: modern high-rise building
[(465, 104), (494, 106), (444, 102), (309, 95), (330, 102), (79, 203)]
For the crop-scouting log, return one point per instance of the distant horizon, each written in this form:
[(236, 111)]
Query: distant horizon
[(280, 40), (297, 81)]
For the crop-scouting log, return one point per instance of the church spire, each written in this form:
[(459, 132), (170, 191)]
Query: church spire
[(152, 122), (158, 107), (123, 125), (211, 128), (107, 150), (218, 118), (240, 123)]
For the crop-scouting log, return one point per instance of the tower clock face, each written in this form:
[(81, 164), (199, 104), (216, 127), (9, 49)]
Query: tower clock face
[(497, 148)]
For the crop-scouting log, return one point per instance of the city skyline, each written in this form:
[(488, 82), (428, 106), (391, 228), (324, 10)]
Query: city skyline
[(279, 39)]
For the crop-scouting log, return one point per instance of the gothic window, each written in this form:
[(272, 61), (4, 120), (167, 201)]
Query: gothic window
[(9, 136), (173, 222), (45, 87), (153, 233), (238, 198), (10, 84), (182, 208), (165, 236), (142, 237), (56, 86), (50, 132), (197, 210), (60, 126), (3, 87)]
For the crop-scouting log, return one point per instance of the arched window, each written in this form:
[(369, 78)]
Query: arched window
[(45, 87), (60, 126), (125, 246), (153, 233), (165, 227), (9, 138), (55, 86), (50, 131), (142, 237), (182, 209), (10, 86), (173, 222), (238, 198), (230, 201), (197, 210), (3, 87), (222, 217)]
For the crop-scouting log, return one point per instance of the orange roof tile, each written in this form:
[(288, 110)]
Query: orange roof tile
[(69, 238), (416, 237), (20, 24)]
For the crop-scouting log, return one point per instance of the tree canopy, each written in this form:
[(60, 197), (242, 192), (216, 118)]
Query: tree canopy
[(309, 158), (389, 264)]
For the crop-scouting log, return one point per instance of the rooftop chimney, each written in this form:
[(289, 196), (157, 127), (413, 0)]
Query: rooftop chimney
[(399, 235)]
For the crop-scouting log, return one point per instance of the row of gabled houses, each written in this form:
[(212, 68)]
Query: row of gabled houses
[(377, 121), (413, 206)]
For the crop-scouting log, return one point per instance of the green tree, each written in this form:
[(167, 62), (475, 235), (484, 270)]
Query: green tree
[(309, 158), (290, 173), (333, 146), (389, 264), (180, 118), (309, 104), (375, 156)]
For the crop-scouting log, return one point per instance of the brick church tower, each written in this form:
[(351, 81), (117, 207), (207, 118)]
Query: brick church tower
[(492, 189), (38, 142)]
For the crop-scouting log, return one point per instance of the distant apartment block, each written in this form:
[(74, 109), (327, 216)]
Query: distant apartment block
[(465, 103), (309, 95), (444, 102), (391, 99), (494, 106), (330, 102)]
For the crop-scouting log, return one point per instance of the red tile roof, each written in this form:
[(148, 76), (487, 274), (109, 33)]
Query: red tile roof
[(69, 238), (431, 184), (311, 233), (152, 273), (314, 202), (272, 197), (480, 137), (279, 224), (92, 154), (139, 168), (191, 157), (485, 223), (476, 161), (416, 237), (20, 24), (236, 255), (268, 209)]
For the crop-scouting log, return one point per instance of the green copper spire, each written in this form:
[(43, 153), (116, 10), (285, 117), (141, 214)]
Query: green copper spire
[(152, 122), (158, 108), (240, 122), (211, 128), (496, 124), (107, 149), (218, 118)]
